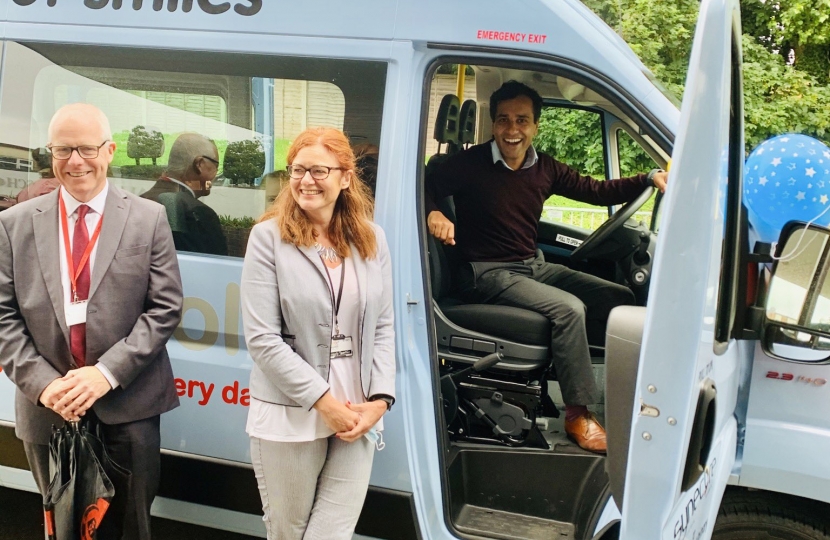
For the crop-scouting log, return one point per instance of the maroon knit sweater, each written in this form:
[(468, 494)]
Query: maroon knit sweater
[(498, 210)]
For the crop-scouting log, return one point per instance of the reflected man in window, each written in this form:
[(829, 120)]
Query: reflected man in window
[(192, 166)]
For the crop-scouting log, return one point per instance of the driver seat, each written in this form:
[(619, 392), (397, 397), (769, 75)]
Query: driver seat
[(498, 406)]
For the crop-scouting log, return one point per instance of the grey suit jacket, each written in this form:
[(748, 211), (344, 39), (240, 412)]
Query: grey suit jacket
[(135, 302), (287, 314)]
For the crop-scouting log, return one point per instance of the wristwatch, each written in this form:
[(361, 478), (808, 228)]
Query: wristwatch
[(389, 400), (651, 173)]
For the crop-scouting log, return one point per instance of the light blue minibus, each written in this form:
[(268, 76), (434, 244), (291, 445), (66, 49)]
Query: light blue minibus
[(717, 423)]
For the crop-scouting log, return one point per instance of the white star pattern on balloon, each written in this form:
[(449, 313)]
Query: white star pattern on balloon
[(801, 194)]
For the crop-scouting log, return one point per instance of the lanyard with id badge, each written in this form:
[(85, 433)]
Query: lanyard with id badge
[(341, 346), (75, 308)]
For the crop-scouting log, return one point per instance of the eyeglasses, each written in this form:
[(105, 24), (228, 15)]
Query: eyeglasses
[(214, 161), (318, 172), (65, 152)]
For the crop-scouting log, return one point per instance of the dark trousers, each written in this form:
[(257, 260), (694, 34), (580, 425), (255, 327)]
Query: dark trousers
[(574, 302), (135, 446)]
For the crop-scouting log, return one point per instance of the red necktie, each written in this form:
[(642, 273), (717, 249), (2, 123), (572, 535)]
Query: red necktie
[(80, 241)]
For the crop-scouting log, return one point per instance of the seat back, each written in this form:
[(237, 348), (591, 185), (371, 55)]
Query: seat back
[(446, 123), (446, 131), (467, 123)]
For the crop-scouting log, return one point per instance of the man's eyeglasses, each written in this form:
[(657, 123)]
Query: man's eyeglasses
[(214, 161), (318, 172), (65, 152)]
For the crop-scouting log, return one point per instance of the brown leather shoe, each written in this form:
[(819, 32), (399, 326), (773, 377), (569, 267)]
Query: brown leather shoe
[(587, 433)]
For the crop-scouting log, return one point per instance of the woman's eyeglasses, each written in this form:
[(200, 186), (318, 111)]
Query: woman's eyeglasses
[(318, 172)]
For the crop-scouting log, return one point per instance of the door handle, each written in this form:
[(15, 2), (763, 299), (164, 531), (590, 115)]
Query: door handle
[(703, 431)]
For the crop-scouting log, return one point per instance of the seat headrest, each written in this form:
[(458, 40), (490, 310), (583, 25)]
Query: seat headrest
[(467, 122), (446, 121)]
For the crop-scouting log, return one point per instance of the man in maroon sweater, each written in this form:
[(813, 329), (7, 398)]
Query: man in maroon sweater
[(499, 189)]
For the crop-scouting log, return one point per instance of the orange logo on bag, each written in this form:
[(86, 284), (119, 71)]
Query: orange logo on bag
[(92, 517)]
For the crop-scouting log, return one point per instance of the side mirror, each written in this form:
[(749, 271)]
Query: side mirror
[(797, 311)]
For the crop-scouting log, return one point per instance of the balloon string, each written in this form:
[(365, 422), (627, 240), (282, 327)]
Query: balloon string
[(792, 255)]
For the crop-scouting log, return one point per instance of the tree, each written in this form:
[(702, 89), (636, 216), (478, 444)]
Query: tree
[(660, 33), (795, 29), (786, 57), (145, 144), (779, 98), (244, 161)]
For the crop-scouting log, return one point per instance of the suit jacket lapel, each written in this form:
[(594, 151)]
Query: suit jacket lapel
[(45, 225), (116, 210), (311, 254), (362, 280)]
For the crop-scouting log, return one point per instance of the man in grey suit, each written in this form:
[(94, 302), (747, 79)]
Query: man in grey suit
[(90, 293)]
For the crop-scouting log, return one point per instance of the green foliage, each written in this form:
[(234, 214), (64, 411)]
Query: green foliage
[(779, 98), (244, 161), (121, 158), (792, 27), (237, 223), (660, 33), (145, 144), (574, 137)]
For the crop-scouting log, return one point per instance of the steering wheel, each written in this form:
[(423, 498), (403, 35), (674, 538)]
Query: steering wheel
[(616, 221)]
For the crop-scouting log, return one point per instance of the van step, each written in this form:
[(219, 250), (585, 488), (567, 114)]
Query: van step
[(508, 526)]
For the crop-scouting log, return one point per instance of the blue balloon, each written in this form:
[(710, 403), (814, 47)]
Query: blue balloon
[(787, 178)]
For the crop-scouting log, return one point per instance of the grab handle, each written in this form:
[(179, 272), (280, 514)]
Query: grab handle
[(703, 430)]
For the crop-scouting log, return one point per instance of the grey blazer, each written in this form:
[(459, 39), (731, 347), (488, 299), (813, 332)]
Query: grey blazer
[(287, 314), (135, 302)]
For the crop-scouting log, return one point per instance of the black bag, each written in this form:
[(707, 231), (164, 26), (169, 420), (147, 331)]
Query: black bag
[(81, 489), (121, 478)]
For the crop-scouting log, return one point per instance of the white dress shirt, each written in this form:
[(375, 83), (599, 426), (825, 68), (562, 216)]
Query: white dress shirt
[(531, 157), (96, 207)]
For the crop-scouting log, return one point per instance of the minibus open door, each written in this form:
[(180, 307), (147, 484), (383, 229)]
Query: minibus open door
[(682, 440)]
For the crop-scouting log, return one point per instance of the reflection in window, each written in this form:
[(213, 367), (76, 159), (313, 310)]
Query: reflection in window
[(793, 278), (250, 107)]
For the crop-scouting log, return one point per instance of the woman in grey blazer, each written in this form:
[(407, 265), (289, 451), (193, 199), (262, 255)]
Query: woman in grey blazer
[(318, 317)]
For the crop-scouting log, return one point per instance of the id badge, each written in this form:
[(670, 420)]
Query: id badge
[(75, 312), (341, 346)]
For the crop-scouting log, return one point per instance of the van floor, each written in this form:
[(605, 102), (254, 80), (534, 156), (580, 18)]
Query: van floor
[(508, 525)]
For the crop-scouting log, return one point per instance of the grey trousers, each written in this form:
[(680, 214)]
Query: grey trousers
[(574, 302), (312, 490)]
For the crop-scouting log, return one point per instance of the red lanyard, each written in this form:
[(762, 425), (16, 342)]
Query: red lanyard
[(74, 273)]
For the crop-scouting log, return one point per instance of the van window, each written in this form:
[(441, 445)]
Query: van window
[(246, 109), (632, 159), (574, 137)]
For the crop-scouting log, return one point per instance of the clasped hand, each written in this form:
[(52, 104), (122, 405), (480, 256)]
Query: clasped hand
[(74, 393), (349, 421)]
